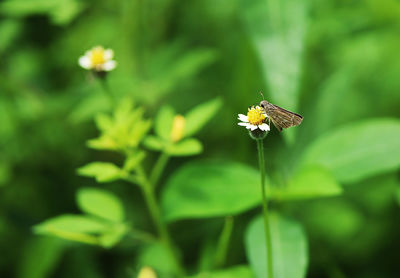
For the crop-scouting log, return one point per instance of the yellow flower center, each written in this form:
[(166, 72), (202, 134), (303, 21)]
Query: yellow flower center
[(178, 127), (255, 115), (97, 56)]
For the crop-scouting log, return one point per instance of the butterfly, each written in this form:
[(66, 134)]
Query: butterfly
[(281, 118)]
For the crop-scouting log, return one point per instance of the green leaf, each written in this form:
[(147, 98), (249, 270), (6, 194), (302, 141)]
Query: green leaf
[(9, 31), (210, 189), (33, 266), (102, 171), (72, 227), (289, 247), (357, 151), (100, 203), (125, 130), (336, 221), (242, 271), (133, 160), (164, 121), (200, 115), (158, 257), (311, 182), (61, 11), (184, 66), (154, 143), (186, 147), (113, 235), (67, 11), (278, 30), (102, 143), (103, 122)]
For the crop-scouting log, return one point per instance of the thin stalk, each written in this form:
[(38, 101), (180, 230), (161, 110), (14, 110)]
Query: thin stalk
[(141, 235), (148, 192), (159, 168), (261, 161), (223, 242), (107, 90)]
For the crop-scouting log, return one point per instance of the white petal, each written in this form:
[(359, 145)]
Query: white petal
[(253, 127), (264, 127), (109, 65), (108, 54), (243, 124), (85, 62), (243, 118)]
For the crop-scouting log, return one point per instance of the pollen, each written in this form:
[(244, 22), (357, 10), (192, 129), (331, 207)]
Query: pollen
[(256, 115), (97, 56)]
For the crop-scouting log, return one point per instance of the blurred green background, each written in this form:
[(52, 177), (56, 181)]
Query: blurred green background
[(335, 62)]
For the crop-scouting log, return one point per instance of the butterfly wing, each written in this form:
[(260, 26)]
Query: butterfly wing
[(282, 118)]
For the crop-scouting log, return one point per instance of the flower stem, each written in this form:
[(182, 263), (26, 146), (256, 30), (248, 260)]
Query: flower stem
[(149, 195), (261, 161), (223, 242), (159, 168), (107, 90)]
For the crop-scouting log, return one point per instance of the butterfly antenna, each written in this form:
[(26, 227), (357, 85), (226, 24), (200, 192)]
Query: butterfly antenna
[(262, 95)]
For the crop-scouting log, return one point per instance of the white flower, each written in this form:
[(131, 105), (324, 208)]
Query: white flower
[(255, 118), (98, 59)]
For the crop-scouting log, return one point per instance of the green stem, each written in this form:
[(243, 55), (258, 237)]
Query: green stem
[(159, 168), (148, 192), (260, 147), (141, 236), (223, 242), (107, 90)]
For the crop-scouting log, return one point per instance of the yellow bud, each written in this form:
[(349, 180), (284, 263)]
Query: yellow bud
[(178, 127), (147, 272)]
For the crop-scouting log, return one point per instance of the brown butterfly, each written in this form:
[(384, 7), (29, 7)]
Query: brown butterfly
[(281, 118)]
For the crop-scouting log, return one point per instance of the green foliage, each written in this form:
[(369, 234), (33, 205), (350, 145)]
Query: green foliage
[(100, 203), (133, 160), (311, 182), (358, 150), (102, 171), (73, 227), (9, 30), (189, 146), (182, 68), (33, 265), (289, 247), (278, 31), (171, 135), (190, 67), (84, 229), (103, 225), (124, 130), (209, 189), (233, 272), (200, 115), (60, 11), (338, 221), (157, 257), (154, 143), (163, 122), (5, 174)]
